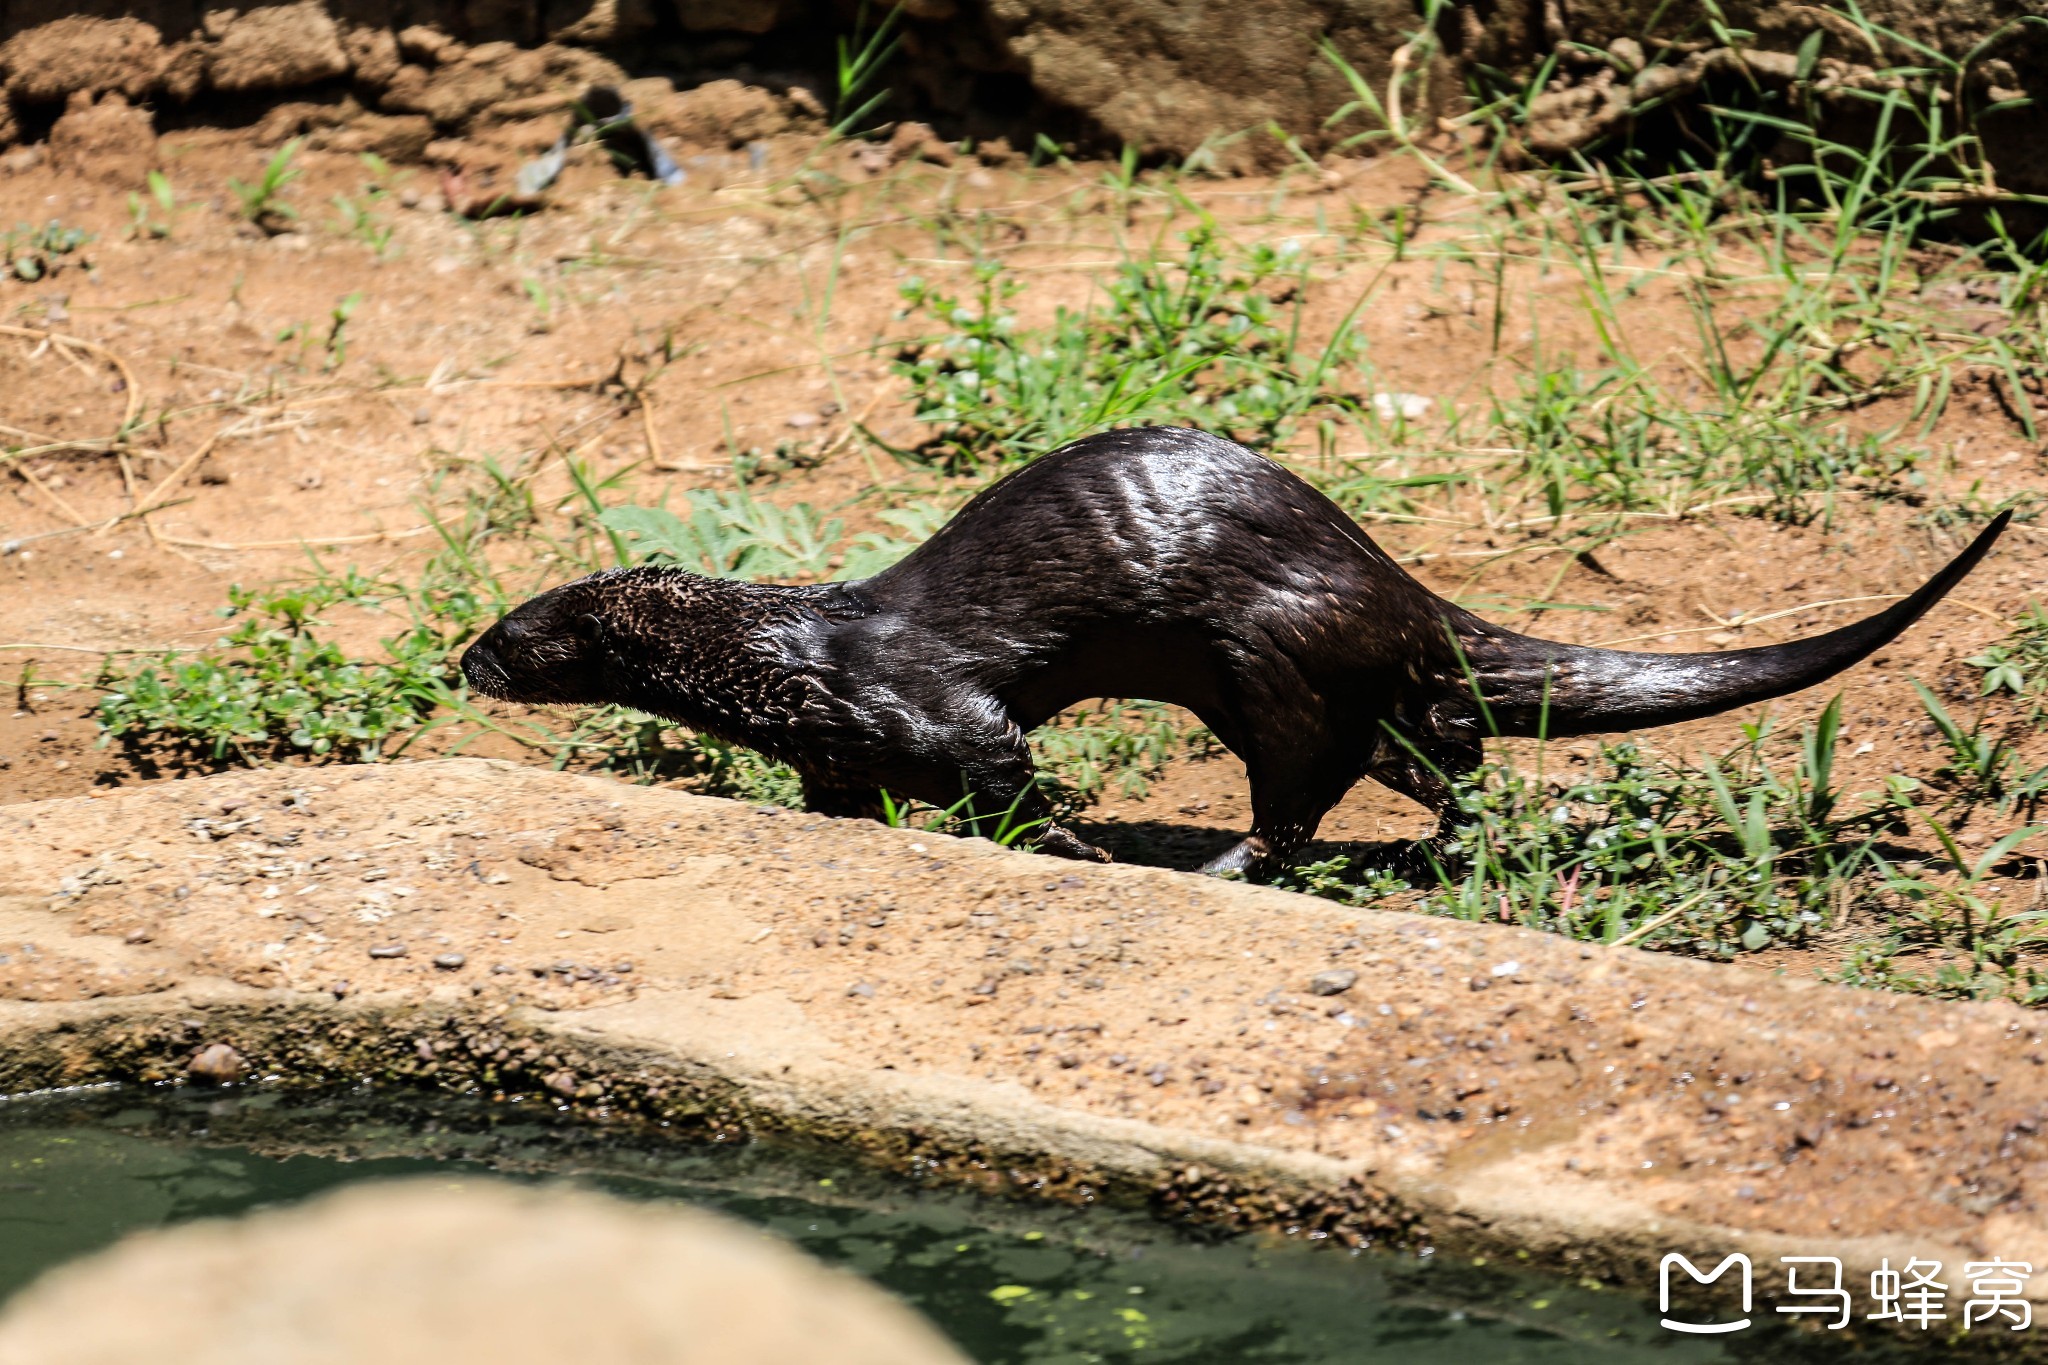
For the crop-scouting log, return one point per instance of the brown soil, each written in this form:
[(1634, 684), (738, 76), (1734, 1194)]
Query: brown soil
[(708, 300)]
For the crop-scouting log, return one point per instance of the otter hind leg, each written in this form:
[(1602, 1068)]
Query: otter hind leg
[(1425, 777), (1296, 777)]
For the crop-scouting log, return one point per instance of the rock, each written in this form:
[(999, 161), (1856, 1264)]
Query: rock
[(429, 46), (46, 65), (722, 114), (395, 137), (1334, 982), (451, 962), (917, 142), (733, 16), (458, 84), (599, 22), (1406, 407), (276, 48), (388, 950), (372, 55), (216, 1064), (420, 1272), (109, 141)]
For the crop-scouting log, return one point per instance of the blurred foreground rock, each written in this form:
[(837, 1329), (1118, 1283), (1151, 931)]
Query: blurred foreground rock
[(457, 1273)]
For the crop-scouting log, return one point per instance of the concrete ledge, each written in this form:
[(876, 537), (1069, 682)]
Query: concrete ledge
[(1012, 1021)]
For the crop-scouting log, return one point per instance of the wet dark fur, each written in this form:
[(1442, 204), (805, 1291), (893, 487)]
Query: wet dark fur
[(1157, 563)]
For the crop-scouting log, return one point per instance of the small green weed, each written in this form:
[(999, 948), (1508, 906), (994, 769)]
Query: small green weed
[(861, 57), (1978, 947), (735, 535), (155, 217), (1979, 760), (261, 201), (1127, 743), (336, 344), (361, 222), (36, 253)]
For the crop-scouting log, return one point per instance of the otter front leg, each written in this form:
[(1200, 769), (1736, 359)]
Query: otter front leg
[(1297, 773), (1006, 799), (834, 795), (994, 766)]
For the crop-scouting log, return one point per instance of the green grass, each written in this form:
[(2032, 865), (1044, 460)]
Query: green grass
[(1735, 853), (261, 200)]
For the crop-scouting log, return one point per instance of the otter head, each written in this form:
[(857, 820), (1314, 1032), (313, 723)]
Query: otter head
[(551, 650), (657, 638)]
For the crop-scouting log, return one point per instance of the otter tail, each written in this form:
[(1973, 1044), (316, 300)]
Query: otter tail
[(1536, 686)]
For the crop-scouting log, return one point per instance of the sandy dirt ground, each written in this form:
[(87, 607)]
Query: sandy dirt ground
[(1237, 1055)]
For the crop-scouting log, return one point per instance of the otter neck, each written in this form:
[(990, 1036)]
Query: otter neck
[(706, 653)]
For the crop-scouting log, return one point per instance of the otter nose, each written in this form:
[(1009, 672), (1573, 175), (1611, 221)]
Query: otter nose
[(483, 668)]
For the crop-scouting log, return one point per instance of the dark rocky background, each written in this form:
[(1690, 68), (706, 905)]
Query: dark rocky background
[(1167, 77)]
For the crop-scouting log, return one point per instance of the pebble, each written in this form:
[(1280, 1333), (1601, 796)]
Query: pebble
[(449, 962), (388, 950), (1406, 406), (800, 421), (216, 1064), (1332, 982)]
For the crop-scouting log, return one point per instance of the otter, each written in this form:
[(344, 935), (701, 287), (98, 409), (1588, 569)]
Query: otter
[(1157, 563)]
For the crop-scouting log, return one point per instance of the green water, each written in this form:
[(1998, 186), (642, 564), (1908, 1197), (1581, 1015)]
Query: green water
[(1010, 1282)]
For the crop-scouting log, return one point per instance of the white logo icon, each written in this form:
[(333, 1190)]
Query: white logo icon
[(1699, 1328)]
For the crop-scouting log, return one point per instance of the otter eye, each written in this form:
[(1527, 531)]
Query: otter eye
[(590, 628)]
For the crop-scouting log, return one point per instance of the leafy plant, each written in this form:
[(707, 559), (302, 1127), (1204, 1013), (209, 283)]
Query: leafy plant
[(34, 253), (336, 344), (1127, 743), (360, 222), (1006, 827), (276, 683), (2018, 664), (1730, 856), (1205, 341), (860, 58), (735, 535), (1979, 943), (1977, 761)]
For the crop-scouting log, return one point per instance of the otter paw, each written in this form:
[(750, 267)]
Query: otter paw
[(1064, 843)]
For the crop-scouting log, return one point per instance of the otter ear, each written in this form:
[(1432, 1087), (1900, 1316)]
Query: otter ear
[(590, 628)]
